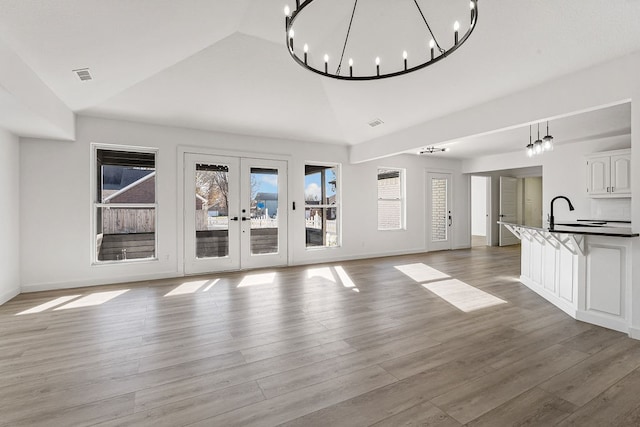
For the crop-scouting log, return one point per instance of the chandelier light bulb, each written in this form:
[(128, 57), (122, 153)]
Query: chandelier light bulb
[(350, 62), (377, 60), (404, 54), (471, 5), (291, 33), (287, 11), (326, 58), (306, 48), (432, 43), (456, 26)]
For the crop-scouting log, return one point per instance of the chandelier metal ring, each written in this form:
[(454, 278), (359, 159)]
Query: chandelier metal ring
[(432, 56)]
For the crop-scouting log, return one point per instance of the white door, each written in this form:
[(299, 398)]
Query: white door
[(235, 213), (263, 213), (508, 209), (440, 217)]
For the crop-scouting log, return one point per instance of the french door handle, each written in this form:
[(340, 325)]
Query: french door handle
[(235, 218), (244, 218), (450, 221)]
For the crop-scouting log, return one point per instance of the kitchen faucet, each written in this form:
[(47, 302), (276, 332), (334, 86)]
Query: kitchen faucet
[(551, 219)]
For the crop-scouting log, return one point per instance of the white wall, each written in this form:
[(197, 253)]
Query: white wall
[(9, 217), (56, 252), (478, 205)]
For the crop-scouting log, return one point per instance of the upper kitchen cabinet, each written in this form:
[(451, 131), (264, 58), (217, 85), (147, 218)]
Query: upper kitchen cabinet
[(609, 174)]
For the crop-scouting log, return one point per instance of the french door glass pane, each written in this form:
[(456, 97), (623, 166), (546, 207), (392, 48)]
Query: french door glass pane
[(212, 209), (264, 211), (438, 209)]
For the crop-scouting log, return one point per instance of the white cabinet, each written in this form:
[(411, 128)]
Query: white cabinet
[(604, 297), (609, 174)]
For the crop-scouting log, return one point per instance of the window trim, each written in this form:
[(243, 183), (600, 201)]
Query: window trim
[(95, 205), (402, 198), (337, 205)]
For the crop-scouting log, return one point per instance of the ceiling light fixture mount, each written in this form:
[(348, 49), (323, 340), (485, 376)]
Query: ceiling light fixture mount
[(432, 149), (428, 57)]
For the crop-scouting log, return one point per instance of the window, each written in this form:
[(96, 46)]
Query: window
[(124, 205), (321, 205), (390, 199)]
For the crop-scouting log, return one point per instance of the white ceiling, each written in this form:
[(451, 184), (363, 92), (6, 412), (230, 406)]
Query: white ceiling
[(223, 65)]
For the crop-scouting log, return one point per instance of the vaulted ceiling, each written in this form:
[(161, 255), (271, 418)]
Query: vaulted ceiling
[(223, 65)]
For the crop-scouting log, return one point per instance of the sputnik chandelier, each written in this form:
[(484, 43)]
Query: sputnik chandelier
[(540, 145), (321, 63)]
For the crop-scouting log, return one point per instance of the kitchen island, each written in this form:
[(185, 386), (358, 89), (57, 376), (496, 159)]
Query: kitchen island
[(583, 269)]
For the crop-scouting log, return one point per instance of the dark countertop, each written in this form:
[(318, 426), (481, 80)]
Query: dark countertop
[(578, 228)]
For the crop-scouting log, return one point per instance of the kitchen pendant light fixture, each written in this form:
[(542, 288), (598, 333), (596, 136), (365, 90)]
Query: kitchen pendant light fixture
[(539, 146), (530, 145), (547, 144), (320, 62)]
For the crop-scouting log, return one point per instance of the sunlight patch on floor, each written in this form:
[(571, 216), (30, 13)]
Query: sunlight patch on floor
[(257, 279), (324, 273), (345, 279), (94, 299), (211, 284), (421, 272), (189, 287), (463, 296), (47, 305)]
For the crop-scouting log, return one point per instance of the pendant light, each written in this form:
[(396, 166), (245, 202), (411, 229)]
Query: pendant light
[(530, 144), (547, 144), (537, 145)]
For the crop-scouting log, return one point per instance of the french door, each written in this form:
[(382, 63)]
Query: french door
[(235, 213), (439, 217)]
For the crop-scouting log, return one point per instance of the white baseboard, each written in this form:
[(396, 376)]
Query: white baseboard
[(619, 325), (634, 333), (51, 286), (6, 296)]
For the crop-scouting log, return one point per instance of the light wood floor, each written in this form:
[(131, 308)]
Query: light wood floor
[(353, 344)]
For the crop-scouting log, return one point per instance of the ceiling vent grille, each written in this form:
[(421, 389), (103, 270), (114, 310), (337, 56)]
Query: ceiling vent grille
[(83, 74), (375, 122)]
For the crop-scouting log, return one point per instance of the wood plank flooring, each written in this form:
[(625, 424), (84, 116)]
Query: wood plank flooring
[(354, 343)]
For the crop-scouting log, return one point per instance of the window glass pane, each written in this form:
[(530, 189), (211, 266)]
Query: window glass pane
[(127, 233), (389, 214), (126, 177), (321, 226), (320, 185), (390, 203), (264, 211), (212, 206)]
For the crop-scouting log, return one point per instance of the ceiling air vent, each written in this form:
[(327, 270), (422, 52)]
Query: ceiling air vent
[(375, 122), (83, 74)]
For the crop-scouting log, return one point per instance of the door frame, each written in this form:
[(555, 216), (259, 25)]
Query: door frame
[(180, 197), (439, 246)]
